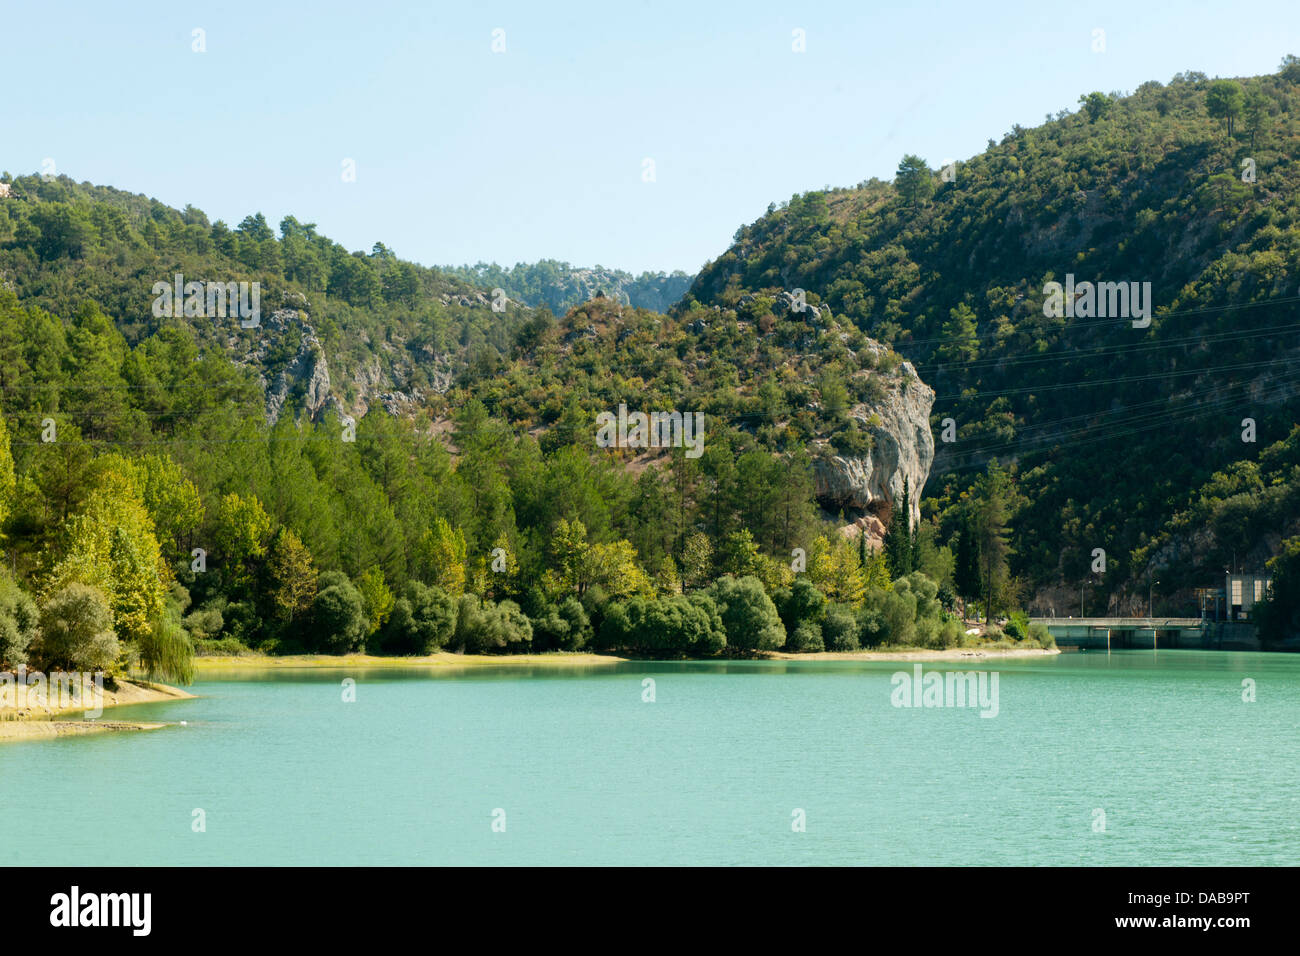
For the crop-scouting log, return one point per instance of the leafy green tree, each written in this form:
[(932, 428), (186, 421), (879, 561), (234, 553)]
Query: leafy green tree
[(442, 557), (834, 566), (19, 623), (8, 483), (110, 544), (339, 621), (291, 576), (697, 561), (966, 574), (615, 569), (834, 394), (898, 614), (1278, 616), (960, 338), (1255, 113), (484, 628), (422, 621), (77, 630), (740, 555), (807, 638), (678, 624), (241, 533), (800, 602), (875, 569), (840, 628), (376, 597), (995, 503), (564, 626), (207, 622), (1290, 68), (166, 651), (914, 180), (1224, 100), (1096, 104), (900, 553), (749, 617), (172, 500)]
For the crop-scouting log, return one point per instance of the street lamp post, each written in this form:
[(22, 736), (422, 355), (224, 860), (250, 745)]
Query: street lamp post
[(1150, 605)]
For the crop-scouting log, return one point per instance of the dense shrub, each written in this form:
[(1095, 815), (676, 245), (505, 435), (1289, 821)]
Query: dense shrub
[(802, 601), (220, 647), (19, 623), (840, 628), (564, 626), (484, 628), (77, 630), (1018, 626), (748, 615), (675, 625), (422, 621), (339, 623), (806, 639)]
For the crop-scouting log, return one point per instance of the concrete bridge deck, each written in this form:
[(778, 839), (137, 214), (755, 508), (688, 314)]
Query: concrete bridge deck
[(1126, 632)]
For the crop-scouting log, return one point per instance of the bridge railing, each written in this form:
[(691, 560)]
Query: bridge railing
[(1120, 623)]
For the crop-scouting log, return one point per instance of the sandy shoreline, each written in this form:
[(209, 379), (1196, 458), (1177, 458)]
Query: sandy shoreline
[(581, 659), (441, 659), (948, 654), (37, 718)]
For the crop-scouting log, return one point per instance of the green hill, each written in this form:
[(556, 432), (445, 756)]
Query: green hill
[(1109, 429), (559, 286), (402, 458), (386, 456)]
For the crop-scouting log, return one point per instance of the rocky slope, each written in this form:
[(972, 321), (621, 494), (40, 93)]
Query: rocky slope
[(902, 449), (340, 333), (1109, 428)]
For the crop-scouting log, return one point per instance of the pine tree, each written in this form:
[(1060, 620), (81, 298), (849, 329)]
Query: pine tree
[(966, 575), (996, 504), (900, 546)]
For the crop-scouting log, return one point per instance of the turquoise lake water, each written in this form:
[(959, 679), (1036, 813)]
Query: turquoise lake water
[(712, 772)]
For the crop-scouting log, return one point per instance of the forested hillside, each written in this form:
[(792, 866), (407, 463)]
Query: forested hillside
[(1106, 429), (396, 458), (388, 458), (560, 286)]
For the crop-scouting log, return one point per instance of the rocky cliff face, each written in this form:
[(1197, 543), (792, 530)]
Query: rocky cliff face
[(295, 372), (903, 448)]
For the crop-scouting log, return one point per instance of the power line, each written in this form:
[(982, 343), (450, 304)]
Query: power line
[(1084, 325), (1151, 420), (1102, 381), (1121, 348)]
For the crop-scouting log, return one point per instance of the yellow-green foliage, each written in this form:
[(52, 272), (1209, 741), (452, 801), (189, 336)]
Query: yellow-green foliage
[(7, 481), (110, 544), (442, 557)]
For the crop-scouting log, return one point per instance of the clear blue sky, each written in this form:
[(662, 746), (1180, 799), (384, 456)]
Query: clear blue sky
[(463, 154)]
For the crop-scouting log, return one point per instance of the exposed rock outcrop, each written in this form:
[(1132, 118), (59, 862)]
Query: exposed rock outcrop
[(784, 304), (902, 448), (306, 373), (869, 525)]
